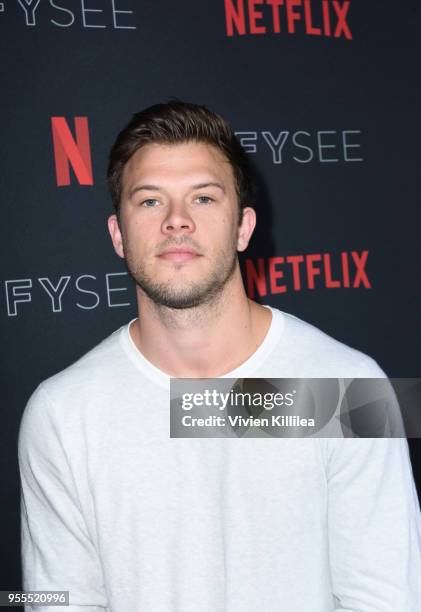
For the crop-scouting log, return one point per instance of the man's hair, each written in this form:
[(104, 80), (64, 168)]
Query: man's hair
[(177, 122)]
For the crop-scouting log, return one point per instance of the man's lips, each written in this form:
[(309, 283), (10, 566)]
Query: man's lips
[(182, 254)]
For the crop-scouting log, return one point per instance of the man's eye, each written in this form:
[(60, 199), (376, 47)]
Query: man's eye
[(149, 203), (205, 199)]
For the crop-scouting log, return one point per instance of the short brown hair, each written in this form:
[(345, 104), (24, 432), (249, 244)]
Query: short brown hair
[(177, 122)]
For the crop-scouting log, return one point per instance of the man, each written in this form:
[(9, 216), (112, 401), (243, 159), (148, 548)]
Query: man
[(128, 519)]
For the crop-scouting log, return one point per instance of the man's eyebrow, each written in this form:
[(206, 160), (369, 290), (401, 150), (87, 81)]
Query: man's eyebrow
[(194, 187), (209, 184), (143, 187)]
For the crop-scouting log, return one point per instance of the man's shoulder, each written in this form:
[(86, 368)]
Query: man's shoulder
[(320, 351), (94, 370)]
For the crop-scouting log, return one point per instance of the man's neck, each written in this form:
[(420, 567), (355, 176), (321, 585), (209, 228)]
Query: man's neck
[(207, 341)]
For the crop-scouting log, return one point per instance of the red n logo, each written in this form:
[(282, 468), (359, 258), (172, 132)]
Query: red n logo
[(67, 151)]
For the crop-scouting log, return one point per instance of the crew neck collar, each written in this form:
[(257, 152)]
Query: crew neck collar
[(244, 370)]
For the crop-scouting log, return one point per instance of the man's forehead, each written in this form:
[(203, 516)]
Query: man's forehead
[(194, 162), (180, 156)]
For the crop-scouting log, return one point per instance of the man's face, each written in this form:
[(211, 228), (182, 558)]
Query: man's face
[(179, 227)]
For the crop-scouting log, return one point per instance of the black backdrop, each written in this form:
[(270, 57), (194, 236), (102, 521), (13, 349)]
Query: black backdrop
[(329, 118)]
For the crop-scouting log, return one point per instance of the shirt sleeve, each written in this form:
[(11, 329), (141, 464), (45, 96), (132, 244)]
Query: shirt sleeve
[(374, 526), (57, 551)]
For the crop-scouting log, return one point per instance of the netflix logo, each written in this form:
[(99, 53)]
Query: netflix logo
[(72, 151), (273, 275), (313, 17)]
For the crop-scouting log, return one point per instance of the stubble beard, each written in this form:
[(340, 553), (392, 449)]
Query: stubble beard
[(191, 294)]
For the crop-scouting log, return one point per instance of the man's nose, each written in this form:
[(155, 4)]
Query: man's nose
[(178, 219)]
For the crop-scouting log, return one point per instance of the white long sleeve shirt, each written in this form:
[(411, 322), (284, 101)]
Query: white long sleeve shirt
[(128, 519)]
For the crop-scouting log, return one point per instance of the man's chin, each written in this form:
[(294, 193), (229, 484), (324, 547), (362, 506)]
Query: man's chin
[(178, 302), (184, 304), (181, 292), (164, 295)]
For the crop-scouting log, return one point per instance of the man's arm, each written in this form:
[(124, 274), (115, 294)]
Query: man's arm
[(374, 526), (57, 551)]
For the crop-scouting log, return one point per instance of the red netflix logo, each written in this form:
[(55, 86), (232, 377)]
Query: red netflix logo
[(70, 151), (314, 17), (298, 272)]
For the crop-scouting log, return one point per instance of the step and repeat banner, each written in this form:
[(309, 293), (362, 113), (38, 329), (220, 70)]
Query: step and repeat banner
[(324, 96)]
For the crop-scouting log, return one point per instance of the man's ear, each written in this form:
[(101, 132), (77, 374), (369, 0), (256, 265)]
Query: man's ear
[(246, 228), (115, 233)]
